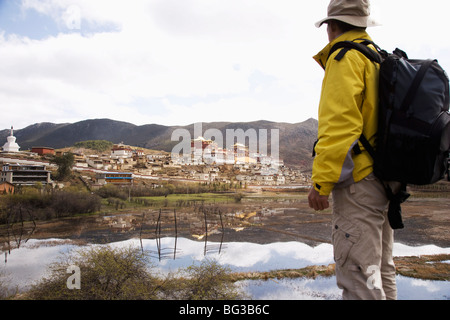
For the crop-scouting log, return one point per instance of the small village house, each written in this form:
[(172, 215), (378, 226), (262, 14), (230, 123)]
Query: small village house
[(25, 175), (116, 178), (42, 151), (6, 187)]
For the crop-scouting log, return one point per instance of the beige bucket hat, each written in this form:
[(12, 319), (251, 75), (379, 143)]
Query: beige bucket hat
[(354, 12)]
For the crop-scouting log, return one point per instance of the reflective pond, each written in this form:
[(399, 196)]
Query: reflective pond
[(27, 264)]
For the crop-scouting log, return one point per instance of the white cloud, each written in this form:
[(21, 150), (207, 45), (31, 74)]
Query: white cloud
[(178, 62)]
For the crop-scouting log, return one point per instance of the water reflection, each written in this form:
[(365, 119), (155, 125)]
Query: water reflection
[(29, 263), (293, 289), (325, 289), (205, 230), (16, 235)]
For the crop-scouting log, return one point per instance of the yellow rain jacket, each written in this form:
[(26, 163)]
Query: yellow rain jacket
[(348, 107)]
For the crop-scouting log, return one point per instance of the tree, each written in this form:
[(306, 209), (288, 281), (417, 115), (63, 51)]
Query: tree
[(65, 164)]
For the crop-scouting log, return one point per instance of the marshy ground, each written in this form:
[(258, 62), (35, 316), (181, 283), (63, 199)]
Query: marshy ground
[(254, 216)]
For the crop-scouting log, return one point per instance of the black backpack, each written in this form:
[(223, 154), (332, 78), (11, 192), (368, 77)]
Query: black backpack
[(413, 138)]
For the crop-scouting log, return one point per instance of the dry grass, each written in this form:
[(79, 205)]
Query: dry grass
[(431, 267), (307, 272)]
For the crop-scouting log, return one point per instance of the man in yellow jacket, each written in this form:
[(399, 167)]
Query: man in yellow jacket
[(362, 237)]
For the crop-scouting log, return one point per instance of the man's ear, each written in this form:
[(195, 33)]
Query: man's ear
[(332, 25)]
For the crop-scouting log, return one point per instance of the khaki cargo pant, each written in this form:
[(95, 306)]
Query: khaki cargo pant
[(363, 242)]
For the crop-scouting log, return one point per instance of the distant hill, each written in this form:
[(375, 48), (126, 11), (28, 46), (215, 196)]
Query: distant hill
[(296, 140)]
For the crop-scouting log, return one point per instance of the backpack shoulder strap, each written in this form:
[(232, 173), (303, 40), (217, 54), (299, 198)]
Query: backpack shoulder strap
[(367, 146), (360, 46)]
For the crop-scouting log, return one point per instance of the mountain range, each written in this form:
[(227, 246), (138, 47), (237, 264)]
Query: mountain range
[(295, 140)]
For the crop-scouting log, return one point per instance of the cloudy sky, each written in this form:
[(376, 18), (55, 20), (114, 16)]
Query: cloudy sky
[(176, 62)]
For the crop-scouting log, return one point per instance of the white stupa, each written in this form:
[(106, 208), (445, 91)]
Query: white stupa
[(11, 145)]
